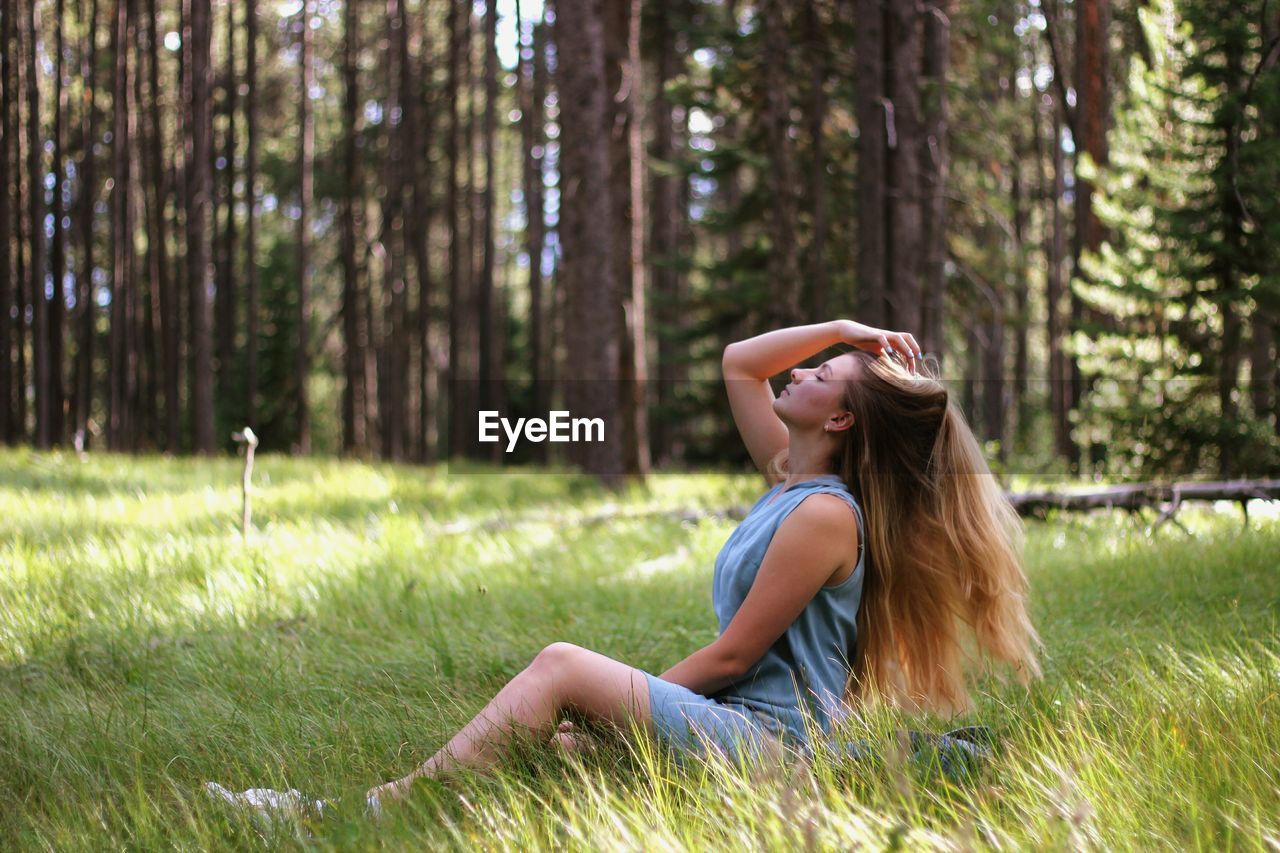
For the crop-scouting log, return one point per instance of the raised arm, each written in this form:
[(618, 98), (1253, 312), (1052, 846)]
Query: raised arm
[(747, 366), (772, 352)]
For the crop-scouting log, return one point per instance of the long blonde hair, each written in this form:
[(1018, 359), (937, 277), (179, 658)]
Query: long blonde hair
[(944, 546)]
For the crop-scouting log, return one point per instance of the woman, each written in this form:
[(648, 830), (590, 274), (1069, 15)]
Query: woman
[(815, 603)]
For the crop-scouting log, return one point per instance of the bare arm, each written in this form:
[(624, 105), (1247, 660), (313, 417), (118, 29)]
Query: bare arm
[(814, 542), (706, 671), (772, 352)]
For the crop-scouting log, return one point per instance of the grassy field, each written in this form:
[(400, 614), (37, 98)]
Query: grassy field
[(145, 648)]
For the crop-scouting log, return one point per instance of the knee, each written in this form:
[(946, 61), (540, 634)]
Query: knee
[(556, 658)]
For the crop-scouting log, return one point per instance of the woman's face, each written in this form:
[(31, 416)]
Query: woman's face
[(813, 398)]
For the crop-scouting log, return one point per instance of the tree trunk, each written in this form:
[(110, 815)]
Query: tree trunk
[(391, 375), (39, 248), (592, 326), (420, 125), (1021, 284), (905, 234), (142, 357), (135, 342), (484, 291), (532, 85), (23, 242), (1092, 112), (7, 105), (731, 132), (353, 391), (974, 342), (180, 179), (58, 252), (373, 410), (872, 150), (784, 265), (626, 167), (664, 222), (306, 156), (1262, 365), (227, 295), (251, 214), (455, 386), (119, 426), (1263, 377), (157, 244), (198, 164), (1228, 271), (994, 322), (686, 241), (371, 326), (475, 217), (935, 167), (637, 328), (1059, 390), (86, 198), (462, 396), (817, 114)]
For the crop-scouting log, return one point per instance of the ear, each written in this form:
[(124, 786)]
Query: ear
[(840, 422)]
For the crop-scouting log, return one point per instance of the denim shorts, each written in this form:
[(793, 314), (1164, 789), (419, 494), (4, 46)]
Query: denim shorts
[(694, 723)]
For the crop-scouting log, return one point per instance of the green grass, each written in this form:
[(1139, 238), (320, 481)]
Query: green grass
[(145, 649)]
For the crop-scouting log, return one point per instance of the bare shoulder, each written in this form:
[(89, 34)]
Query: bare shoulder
[(825, 513), (819, 536), (822, 524)]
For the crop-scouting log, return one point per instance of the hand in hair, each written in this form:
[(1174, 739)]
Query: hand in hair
[(880, 341)]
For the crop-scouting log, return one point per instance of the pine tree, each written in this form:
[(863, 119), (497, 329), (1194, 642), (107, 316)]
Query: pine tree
[(1193, 252)]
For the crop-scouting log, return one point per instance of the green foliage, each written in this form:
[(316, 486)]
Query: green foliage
[(720, 89), (146, 649), (1189, 198), (278, 346)]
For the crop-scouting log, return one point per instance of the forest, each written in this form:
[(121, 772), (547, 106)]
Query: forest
[(350, 225), (396, 247)]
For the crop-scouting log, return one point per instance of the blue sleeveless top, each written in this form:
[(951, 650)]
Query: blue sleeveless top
[(808, 667)]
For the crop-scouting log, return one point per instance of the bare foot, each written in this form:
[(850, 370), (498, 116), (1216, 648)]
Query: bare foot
[(379, 796), (568, 738)]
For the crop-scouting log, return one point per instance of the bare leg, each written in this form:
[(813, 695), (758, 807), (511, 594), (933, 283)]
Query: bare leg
[(562, 676)]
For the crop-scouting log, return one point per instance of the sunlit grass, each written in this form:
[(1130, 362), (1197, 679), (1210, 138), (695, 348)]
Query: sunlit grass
[(145, 648)]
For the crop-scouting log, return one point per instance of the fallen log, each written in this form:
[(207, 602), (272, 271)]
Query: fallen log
[(1133, 496), (1167, 497), (1138, 495)]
